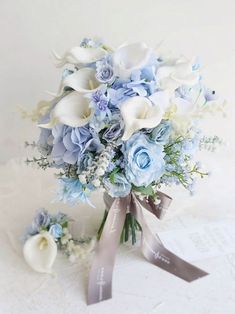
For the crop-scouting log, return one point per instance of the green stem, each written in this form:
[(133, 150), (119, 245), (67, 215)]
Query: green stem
[(131, 225), (133, 229), (99, 232), (126, 227)]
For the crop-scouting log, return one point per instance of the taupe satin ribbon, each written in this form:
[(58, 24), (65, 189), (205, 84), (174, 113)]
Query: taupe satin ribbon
[(100, 278)]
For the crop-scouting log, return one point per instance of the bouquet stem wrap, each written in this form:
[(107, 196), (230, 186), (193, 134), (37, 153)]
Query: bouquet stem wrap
[(100, 279)]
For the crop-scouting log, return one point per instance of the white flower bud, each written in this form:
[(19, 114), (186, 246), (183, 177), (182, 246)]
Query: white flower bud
[(100, 172), (96, 183), (82, 178)]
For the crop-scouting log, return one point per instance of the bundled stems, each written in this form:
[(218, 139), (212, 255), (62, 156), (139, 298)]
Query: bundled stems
[(130, 227)]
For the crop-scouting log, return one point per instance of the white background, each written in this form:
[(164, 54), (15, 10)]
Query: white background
[(29, 29)]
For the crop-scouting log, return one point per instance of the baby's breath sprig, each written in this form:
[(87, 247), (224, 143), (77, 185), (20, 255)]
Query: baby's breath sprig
[(41, 162)]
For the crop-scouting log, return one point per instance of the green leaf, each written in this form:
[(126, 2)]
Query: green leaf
[(112, 175), (145, 190)]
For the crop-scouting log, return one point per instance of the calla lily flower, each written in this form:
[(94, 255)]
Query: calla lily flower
[(183, 106), (161, 98), (173, 76), (130, 57), (83, 81), (80, 55), (138, 112), (72, 110), (40, 252)]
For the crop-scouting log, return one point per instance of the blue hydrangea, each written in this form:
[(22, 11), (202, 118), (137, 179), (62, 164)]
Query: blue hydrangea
[(99, 101), (141, 83), (69, 144)]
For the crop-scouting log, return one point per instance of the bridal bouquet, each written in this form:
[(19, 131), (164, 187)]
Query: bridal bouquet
[(125, 121)]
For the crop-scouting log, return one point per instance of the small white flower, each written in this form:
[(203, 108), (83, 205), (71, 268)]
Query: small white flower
[(40, 252), (70, 245), (100, 172), (130, 57), (96, 183), (65, 239), (82, 178)]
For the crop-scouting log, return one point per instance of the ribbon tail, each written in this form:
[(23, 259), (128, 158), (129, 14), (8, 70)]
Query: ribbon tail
[(158, 255), (100, 278)]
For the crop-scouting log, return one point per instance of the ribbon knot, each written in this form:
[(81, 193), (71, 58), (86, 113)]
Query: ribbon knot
[(100, 278)]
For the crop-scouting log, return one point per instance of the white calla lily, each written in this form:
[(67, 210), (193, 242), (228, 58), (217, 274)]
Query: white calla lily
[(162, 99), (80, 55), (40, 252), (83, 81), (170, 77), (138, 112), (72, 110), (130, 57), (183, 106), (186, 107)]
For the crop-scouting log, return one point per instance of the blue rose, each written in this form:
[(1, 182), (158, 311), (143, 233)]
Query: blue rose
[(113, 132), (144, 160), (161, 133), (105, 74), (120, 187), (85, 162), (56, 231), (42, 219), (104, 70)]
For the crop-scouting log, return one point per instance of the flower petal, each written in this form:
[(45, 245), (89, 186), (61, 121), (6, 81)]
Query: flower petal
[(129, 58), (138, 113), (83, 81), (80, 55), (180, 73), (40, 252), (183, 106), (72, 110), (161, 99)]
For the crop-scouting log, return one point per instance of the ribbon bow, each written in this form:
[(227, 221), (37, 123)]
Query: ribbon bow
[(100, 279)]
